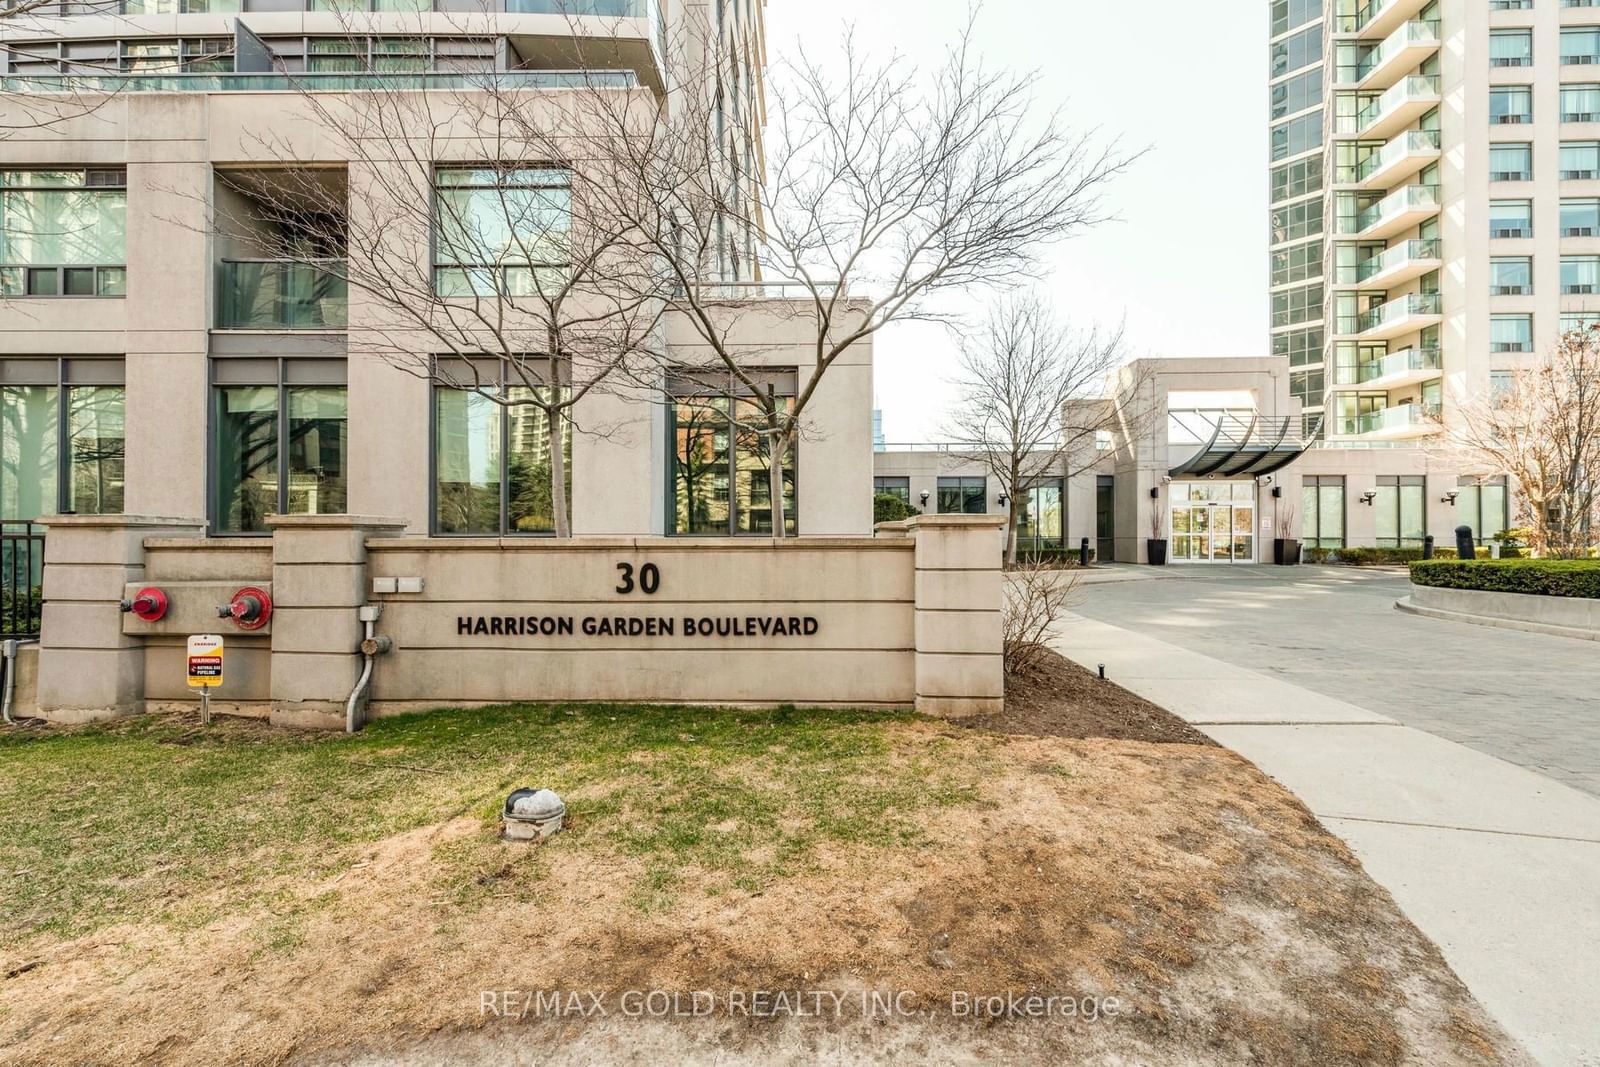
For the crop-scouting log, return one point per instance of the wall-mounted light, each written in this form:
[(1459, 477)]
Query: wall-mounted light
[(924, 496), (1449, 498), (1369, 496), (1277, 491), (1155, 493)]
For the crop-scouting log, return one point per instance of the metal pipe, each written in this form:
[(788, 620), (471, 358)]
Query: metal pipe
[(372, 646), (8, 650)]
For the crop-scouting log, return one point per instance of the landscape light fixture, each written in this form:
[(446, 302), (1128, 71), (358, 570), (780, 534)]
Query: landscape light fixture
[(1369, 496)]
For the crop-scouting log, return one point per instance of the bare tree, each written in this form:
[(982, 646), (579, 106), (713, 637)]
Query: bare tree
[(1032, 399), (876, 193), (1543, 430), (480, 260)]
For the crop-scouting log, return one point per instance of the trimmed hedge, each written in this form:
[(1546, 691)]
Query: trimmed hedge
[(1536, 577), (1361, 557)]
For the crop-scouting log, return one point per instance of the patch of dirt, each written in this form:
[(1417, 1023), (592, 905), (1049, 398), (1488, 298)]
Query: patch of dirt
[(1055, 697), (1177, 879)]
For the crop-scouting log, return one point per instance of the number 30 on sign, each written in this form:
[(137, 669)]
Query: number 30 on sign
[(205, 661)]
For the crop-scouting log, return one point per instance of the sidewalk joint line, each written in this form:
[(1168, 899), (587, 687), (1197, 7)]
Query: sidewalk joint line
[(1463, 829)]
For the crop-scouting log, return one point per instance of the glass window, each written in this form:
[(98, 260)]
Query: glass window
[(1287, 14), (1291, 306), (1296, 94), (1580, 217), (1511, 275), (1041, 518), (1511, 218), (1301, 50), (1510, 104), (1580, 103), (721, 475), (1401, 510), (899, 488), (1580, 274), (492, 458), (1579, 320), (1322, 511), (1510, 162), (1511, 48), (963, 496), (1580, 45), (1511, 333), (1300, 178), (62, 437), (279, 439), (1297, 135), (500, 232), (53, 222), (1482, 503), (1297, 264), (1296, 221), (1580, 160), (1301, 346)]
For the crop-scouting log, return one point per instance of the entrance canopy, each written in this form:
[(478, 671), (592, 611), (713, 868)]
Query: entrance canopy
[(1238, 444)]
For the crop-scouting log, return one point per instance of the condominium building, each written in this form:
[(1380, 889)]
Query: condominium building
[(1435, 219), (156, 362)]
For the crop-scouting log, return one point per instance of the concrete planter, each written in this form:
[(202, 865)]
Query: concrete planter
[(1557, 615)]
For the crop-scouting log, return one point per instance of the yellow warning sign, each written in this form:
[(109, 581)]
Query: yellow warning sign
[(205, 661)]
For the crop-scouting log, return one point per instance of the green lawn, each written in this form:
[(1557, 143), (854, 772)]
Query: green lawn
[(147, 817)]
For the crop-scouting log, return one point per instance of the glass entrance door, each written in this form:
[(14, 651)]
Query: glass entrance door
[(1213, 522)]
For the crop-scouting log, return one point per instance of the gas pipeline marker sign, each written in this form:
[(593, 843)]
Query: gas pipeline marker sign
[(205, 661)]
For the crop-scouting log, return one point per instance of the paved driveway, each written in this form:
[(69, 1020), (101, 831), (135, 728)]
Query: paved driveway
[(1526, 698)]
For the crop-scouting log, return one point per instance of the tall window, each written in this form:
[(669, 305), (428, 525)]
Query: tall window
[(279, 441), (1580, 45), (1580, 103), (491, 460), (1297, 135), (1041, 519), (61, 437), (1511, 275), (1511, 333), (1401, 507), (1481, 503), (1510, 162), (1511, 218), (1580, 217), (1580, 160), (500, 232), (1322, 511), (963, 496), (899, 488), (1580, 274), (63, 232), (1510, 105), (1511, 48), (721, 471)]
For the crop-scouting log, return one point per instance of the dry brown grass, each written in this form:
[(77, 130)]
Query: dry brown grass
[(1176, 878)]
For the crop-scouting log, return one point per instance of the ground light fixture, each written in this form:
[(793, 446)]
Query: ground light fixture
[(533, 815)]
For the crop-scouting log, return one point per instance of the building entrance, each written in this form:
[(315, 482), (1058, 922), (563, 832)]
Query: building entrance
[(1213, 522)]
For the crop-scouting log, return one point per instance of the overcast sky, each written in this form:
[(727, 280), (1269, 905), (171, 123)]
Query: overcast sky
[(1187, 263)]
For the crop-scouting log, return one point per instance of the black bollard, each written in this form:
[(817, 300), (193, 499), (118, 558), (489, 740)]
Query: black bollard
[(1083, 553), (1464, 546), (1427, 547)]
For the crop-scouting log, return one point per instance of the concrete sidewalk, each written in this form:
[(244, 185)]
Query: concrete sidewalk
[(1498, 865)]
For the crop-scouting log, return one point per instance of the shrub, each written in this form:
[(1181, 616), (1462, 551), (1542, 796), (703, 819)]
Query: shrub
[(1054, 557), (1361, 557), (1036, 598), (886, 507), (19, 614), (1537, 577)]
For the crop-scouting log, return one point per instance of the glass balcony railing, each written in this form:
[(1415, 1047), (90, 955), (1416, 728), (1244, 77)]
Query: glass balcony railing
[(1411, 359), (1415, 32), (1402, 253), (1410, 88), (1400, 202), (1389, 420), (1390, 313), (1409, 143), (331, 83), (616, 9), (282, 294)]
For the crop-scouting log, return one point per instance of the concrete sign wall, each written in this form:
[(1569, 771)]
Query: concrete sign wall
[(909, 618)]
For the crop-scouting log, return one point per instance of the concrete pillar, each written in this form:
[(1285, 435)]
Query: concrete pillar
[(88, 670), (957, 624), (319, 580)]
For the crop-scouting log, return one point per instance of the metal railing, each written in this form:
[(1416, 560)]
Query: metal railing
[(773, 290), (282, 294), (21, 575), (330, 83)]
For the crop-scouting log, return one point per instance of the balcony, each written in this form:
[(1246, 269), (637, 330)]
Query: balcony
[(1397, 265), (1393, 424), (1398, 160), (1401, 210), (1377, 19), (1406, 315), (1398, 107), (281, 294), (1400, 52), (1406, 367)]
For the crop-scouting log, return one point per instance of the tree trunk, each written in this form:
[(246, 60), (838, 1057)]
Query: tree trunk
[(1011, 533), (554, 420), (778, 446)]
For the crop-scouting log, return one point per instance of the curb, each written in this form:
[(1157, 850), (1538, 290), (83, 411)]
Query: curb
[(1404, 604)]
